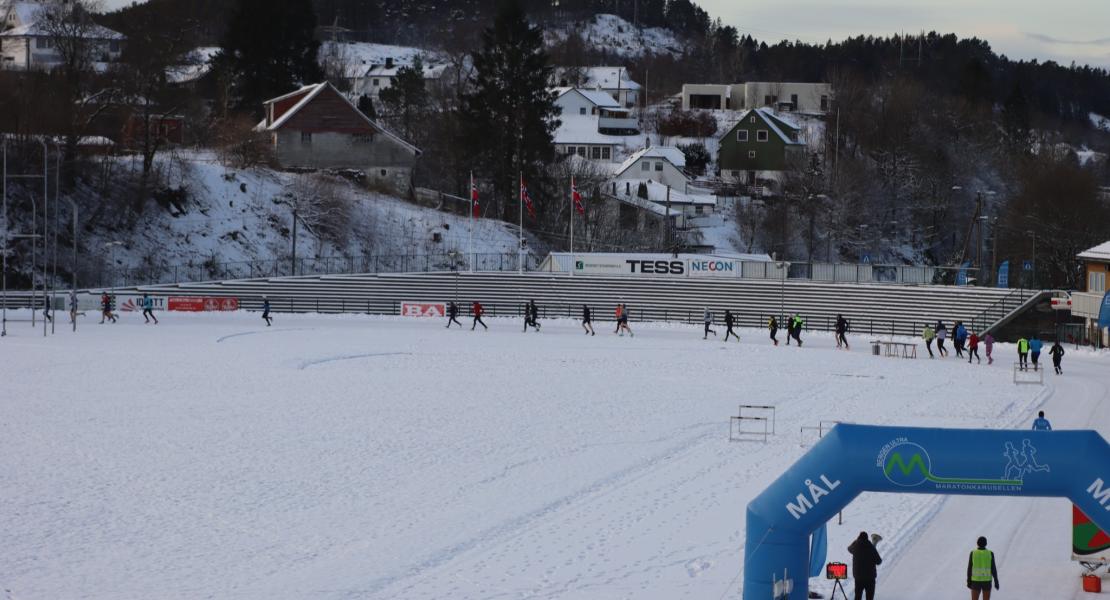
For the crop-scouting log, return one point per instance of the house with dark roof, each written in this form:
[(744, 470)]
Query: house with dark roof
[(317, 127), (760, 146)]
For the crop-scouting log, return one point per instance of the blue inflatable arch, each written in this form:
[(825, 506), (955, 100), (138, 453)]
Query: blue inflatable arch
[(858, 458)]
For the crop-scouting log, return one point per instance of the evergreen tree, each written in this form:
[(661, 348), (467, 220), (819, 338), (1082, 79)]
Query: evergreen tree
[(269, 49), (510, 115), (406, 100), (366, 107)]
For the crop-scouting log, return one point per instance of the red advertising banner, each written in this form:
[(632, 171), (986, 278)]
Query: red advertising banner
[(423, 309), (198, 304)]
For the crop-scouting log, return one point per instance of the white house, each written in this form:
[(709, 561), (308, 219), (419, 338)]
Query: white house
[(25, 43), (371, 79), (813, 98), (614, 81), (591, 124), (662, 164)]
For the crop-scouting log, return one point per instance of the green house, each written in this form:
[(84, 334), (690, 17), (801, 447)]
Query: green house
[(759, 146)]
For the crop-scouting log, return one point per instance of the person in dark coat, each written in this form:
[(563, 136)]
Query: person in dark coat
[(865, 563), (841, 332), (266, 311), (587, 324), (452, 315), (773, 327), (729, 322)]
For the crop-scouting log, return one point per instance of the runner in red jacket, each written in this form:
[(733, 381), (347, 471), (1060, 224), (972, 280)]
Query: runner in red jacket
[(478, 311)]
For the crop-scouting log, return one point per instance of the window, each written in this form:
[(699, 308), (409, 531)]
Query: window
[(761, 135), (570, 149), (113, 46), (824, 102), (595, 152), (306, 137), (363, 138), (659, 166), (383, 172), (582, 110), (645, 166), (767, 100), (376, 84), (582, 151), (43, 43), (794, 100), (751, 153), (606, 153), (1096, 282), (752, 120), (741, 135)]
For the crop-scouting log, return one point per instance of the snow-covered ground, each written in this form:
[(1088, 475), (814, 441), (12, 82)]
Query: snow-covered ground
[(374, 457)]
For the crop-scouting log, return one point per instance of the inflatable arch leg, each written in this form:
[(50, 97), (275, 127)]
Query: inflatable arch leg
[(852, 459)]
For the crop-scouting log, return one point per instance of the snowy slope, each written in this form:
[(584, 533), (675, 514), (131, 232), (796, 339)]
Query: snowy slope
[(232, 216), (339, 457), (1099, 122), (614, 34)]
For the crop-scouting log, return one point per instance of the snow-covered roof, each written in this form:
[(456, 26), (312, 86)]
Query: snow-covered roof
[(1100, 252), (608, 78), (36, 29), (668, 153), (598, 98), (25, 12), (431, 71), (582, 129), (772, 120), (314, 91), (198, 64)]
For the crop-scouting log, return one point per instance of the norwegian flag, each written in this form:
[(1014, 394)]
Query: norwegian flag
[(475, 207), (526, 199), (576, 197)]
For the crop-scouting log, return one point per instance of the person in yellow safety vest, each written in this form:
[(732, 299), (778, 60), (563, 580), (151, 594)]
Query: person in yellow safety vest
[(980, 570), (1023, 354)]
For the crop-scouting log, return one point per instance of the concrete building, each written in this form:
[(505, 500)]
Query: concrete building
[(26, 43), (316, 127), (811, 98)]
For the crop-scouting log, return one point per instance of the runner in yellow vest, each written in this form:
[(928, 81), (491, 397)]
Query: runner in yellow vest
[(1023, 354), (980, 571)]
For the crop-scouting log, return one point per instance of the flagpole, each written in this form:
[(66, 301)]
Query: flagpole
[(572, 207), (470, 242), (520, 242)]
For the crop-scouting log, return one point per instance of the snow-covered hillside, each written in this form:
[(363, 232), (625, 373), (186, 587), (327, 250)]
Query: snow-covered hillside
[(234, 215), (613, 34), (1100, 122)]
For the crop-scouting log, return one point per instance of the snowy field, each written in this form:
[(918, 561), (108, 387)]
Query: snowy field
[(370, 457)]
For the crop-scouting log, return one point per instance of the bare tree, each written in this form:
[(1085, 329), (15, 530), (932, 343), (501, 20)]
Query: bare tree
[(79, 44)]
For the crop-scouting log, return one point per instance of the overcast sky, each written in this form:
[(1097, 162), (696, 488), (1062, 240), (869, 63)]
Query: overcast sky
[(1061, 30)]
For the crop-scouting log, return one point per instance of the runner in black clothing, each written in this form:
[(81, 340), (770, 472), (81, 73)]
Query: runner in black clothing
[(773, 327), (586, 323), (531, 314), (266, 311), (452, 313), (729, 321), (841, 330)]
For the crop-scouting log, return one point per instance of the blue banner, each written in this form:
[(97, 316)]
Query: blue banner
[(852, 459), (1004, 274), (961, 276), (1104, 312)]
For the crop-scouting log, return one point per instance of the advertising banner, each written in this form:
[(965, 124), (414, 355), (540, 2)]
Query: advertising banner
[(134, 303), (1004, 274), (1089, 544), (200, 304), (423, 309), (713, 267)]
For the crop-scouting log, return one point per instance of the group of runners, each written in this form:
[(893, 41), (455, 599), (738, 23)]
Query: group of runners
[(966, 344), (532, 318)]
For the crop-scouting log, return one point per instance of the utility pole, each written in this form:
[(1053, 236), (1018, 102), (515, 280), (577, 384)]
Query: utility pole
[(294, 265)]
